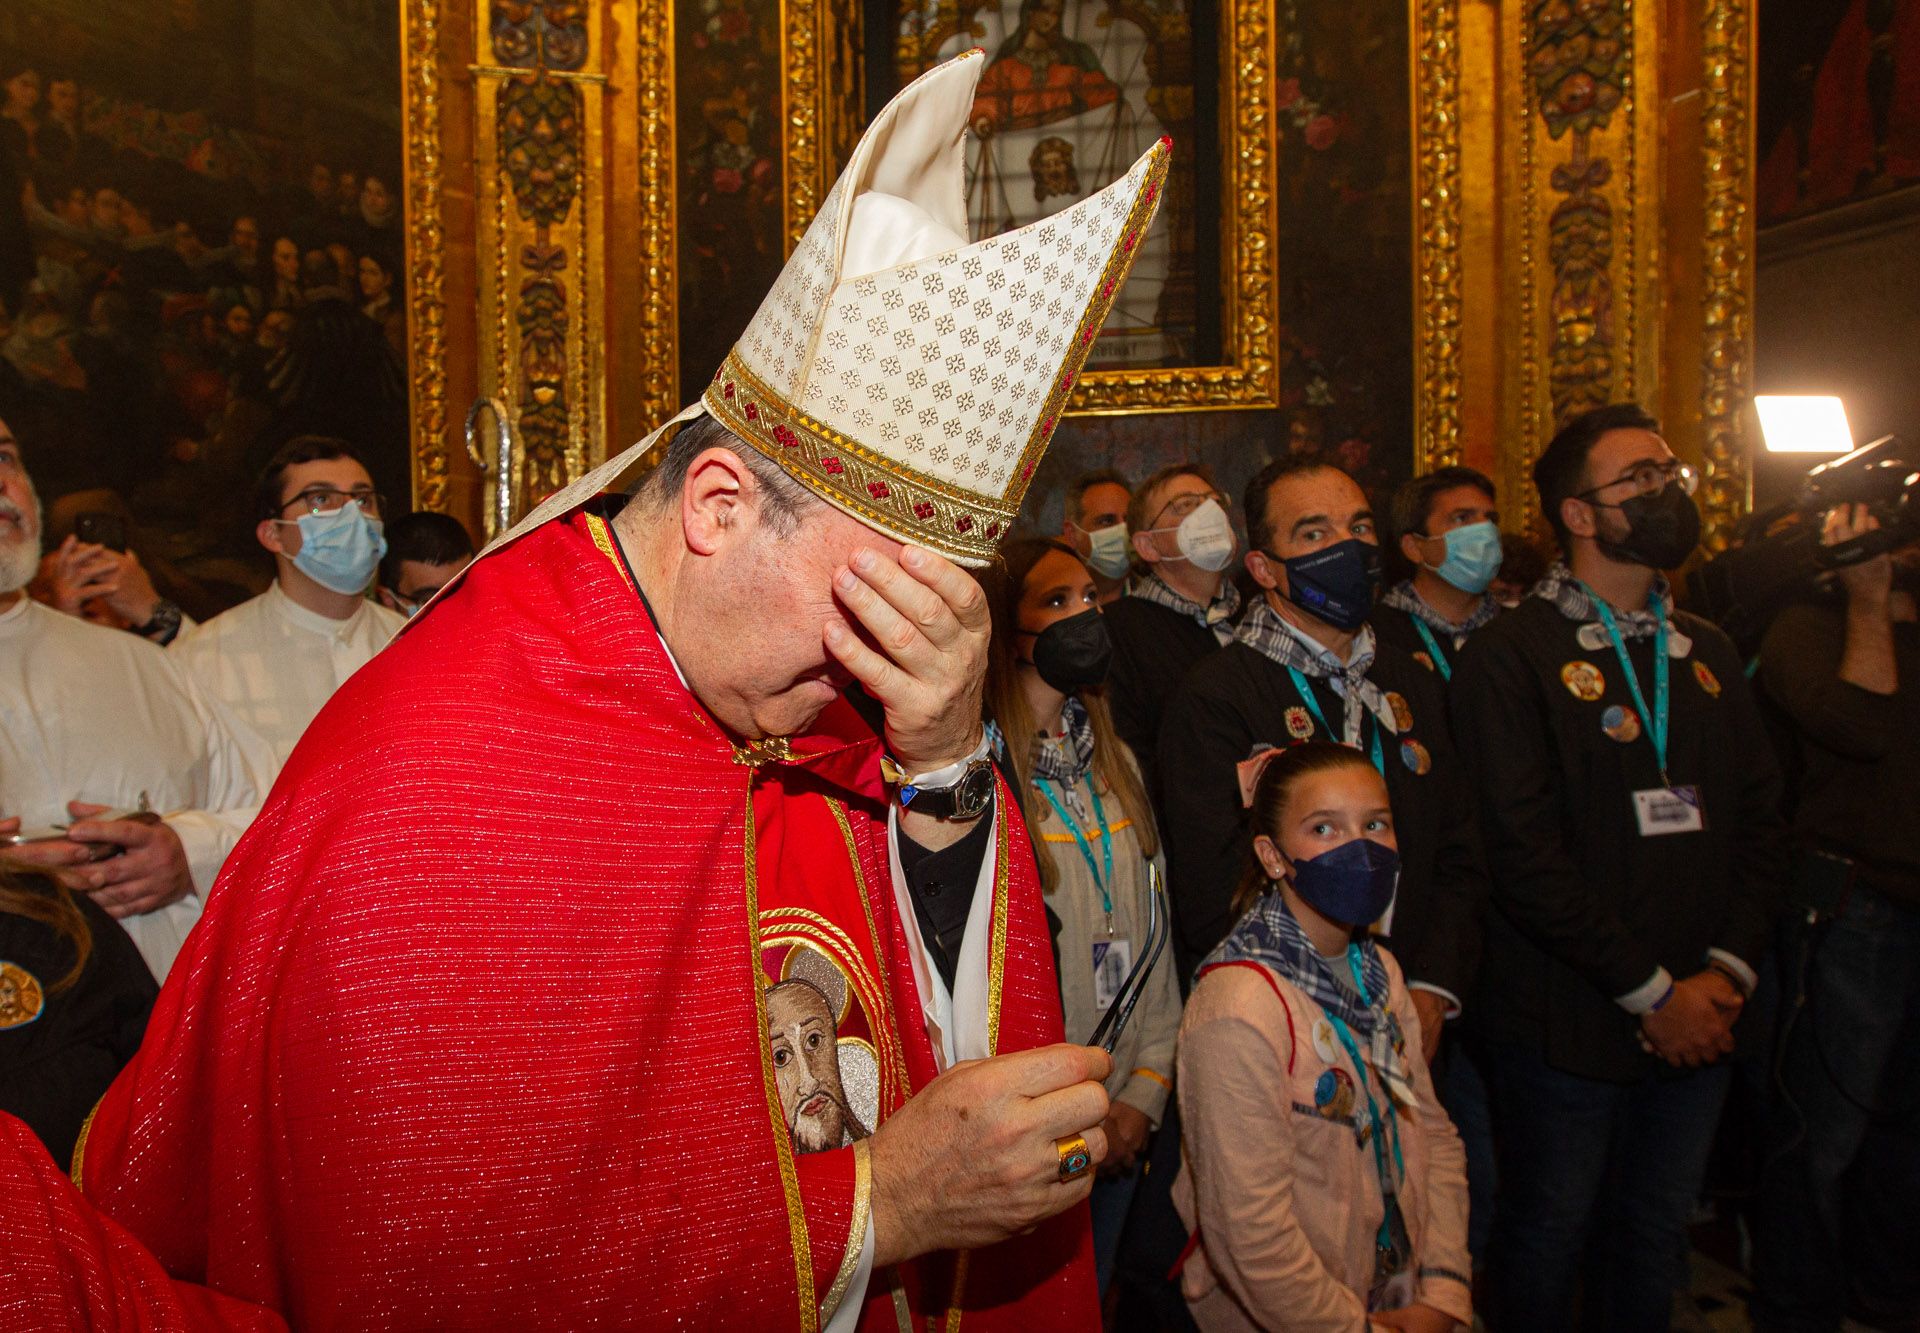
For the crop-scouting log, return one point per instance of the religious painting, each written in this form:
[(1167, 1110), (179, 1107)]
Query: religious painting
[(1072, 93), (1839, 103), (201, 256), (829, 1084), (727, 85)]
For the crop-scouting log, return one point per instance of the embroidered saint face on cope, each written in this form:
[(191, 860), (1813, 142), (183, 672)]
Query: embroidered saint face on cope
[(802, 1030)]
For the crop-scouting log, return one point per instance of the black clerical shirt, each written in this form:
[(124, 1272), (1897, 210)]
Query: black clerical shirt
[(941, 885)]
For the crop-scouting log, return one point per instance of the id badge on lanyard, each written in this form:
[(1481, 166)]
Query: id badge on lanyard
[(1665, 809)]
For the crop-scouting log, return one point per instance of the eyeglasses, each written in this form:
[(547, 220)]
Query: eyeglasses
[(1180, 506), (326, 500), (1650, 477)]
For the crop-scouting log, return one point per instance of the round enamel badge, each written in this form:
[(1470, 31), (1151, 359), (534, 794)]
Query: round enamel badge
[(1414, 755), (1402, 715), (22, 998), (1708, 681), (1583, 680), (1333, 1094), (1299, 723), (1623, 724)]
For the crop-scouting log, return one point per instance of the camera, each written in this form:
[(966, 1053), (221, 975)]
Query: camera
[(1780, 556)]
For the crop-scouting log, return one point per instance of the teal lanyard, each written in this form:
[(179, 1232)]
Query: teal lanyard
[(1433, 647), (1388, 1175), (1102, 881), (1662, 693), (1301, 684)]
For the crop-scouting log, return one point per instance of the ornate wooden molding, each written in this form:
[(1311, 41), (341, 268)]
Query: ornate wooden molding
[(426, 243), (1727, 265), (656, 238), (1437, 236)]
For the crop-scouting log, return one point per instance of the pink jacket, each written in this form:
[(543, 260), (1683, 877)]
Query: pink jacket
[(1285, 1196)]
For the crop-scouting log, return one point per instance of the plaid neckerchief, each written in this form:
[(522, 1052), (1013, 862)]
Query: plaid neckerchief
[(1269, 935), (1262, 630), (1570, 597), (1066, 760), (1216, 616), (1402, 597)]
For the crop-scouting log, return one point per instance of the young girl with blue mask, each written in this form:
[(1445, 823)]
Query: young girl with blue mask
[(1324, 1186)]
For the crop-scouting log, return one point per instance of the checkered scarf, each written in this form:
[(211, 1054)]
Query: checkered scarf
[(1269, 935), (1402, 597), (1571, 598), (1218, 616), (1262, 630), (1068, 758)]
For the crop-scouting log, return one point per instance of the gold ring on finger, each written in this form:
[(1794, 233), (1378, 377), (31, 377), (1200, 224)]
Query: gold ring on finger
[(1076, 1159)]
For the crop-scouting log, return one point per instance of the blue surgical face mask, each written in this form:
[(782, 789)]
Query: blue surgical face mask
[(339, 550), (1109, 552), (1336, 583), (1352, 884), (1473, 557)]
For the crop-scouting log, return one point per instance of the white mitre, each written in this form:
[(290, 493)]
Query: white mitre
[(901, 373)]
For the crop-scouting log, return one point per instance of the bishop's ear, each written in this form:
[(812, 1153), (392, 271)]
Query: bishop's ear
[(713, 501)]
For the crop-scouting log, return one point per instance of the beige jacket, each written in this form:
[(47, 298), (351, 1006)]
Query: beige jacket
[(1143, 1061), (1286, 1199)]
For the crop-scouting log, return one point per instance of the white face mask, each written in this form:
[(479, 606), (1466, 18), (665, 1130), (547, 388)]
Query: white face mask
[(1205, 538), (1109, 554)]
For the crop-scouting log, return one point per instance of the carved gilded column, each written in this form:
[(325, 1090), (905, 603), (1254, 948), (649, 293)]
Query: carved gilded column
[(1625, 236), (540, 230)]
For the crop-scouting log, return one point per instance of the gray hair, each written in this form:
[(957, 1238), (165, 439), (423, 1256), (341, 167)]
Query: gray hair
[(783, 501)]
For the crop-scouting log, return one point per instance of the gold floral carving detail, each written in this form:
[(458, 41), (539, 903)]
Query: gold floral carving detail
[(1436, 137), (659, 285), (801, 151), (427, 245), (1727, 264)]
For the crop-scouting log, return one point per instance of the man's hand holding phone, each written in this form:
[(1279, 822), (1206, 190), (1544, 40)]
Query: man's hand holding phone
[(130, 864)]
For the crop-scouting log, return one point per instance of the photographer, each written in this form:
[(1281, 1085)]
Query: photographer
[(1828, 1238)]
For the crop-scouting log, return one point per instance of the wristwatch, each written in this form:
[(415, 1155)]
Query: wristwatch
[(959, 791), (163, 625)]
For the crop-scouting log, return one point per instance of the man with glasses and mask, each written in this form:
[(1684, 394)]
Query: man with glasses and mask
[(275, 660), (1181, 608), (1627, 797), (1304, 665)]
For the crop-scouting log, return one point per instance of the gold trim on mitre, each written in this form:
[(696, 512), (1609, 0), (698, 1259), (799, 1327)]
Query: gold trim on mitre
[(872, 389)]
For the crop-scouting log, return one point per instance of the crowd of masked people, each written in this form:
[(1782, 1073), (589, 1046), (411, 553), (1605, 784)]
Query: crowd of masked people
[(1487, 880)]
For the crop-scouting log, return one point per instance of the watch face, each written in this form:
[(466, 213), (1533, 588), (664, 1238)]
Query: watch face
[(971, 793)]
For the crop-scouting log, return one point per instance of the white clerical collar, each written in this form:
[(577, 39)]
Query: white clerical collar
[(311, 621), (15, 613)]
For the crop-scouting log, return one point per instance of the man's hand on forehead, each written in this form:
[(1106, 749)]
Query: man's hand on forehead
[(928, 623)]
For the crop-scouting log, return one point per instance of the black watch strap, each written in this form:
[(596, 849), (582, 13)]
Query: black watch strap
[(163, 626)]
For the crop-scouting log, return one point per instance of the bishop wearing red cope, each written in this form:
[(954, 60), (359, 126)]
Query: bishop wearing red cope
[(595, 962)]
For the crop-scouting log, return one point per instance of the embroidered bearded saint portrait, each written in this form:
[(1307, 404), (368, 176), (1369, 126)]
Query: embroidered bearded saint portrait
[(829, 1088)]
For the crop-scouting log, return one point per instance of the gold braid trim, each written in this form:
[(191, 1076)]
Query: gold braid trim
[(783, 1144), (603, 538), (857, 1231), (80, 1147)]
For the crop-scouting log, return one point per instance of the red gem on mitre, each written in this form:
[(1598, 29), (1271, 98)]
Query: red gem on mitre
[(964, 523), (787, 439), (1046, 427), (727, 392), (1092, 329), (1107, 290), (1026, 472), (1066, 380), (753, 411), (833, 465), (879, 490), (923, 510), (1127, 244), (993, 530)]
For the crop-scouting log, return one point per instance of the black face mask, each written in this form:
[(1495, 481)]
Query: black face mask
[(1662, 530), (1335, 583), (1074, 653)]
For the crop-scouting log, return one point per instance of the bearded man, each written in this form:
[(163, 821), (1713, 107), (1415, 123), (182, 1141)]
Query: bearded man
[(477, 1031)]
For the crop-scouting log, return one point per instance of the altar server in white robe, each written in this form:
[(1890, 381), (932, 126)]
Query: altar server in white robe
[(275, 660), (95, 720)]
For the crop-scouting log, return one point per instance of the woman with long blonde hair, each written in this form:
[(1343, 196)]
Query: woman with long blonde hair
[(1093, 835)]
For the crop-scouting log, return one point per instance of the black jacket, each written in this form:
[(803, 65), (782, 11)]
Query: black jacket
[(1153, 649), (1584, 909), (1237, 699), (59, 1051)]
